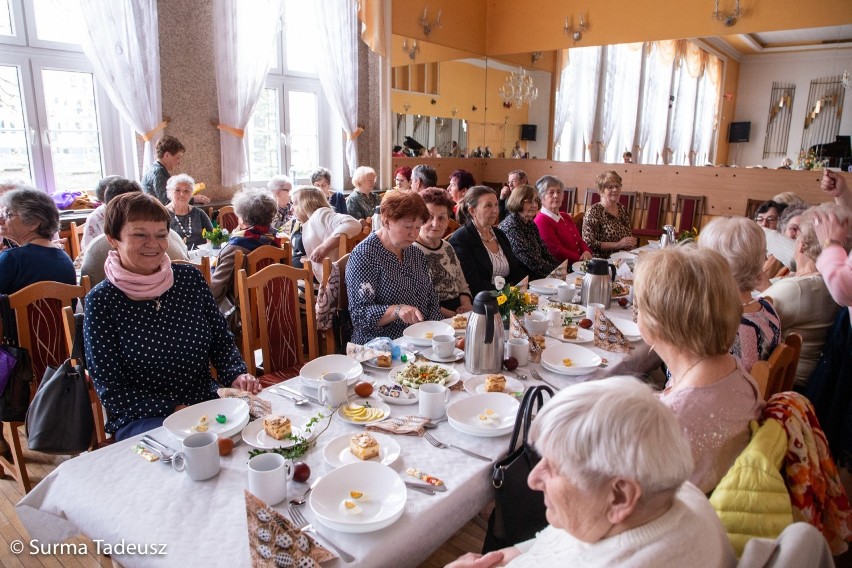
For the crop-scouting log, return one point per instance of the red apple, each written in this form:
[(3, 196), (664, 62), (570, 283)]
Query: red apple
[(301, 472)]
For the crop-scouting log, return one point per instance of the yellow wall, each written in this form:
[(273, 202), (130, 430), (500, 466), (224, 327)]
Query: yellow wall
[(462, 22), (726, 110)]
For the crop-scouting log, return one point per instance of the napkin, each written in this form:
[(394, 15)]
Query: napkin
[(361, 353), (524, 284), (258, 408), (560, 271), (624, 273), (408, 425), (607, 336), (275, 541), (517, 329)]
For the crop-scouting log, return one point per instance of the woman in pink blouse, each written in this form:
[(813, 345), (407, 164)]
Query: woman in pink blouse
[(556, 228)]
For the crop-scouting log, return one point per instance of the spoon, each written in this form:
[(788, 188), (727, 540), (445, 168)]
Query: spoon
[(301, 500), (296, 401)]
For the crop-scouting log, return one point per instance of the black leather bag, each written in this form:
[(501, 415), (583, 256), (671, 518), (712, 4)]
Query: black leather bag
[(18, 372), (519, 512), (60, 418)]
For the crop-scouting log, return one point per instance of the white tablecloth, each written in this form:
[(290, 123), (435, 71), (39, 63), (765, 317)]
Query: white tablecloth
[(114, 495)]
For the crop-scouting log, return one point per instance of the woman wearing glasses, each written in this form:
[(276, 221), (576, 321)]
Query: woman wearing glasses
[(606, 225), (768, 213)]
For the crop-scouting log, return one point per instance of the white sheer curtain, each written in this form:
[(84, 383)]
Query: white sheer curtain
[(337, 54), (706, 115), (245, 36), (123, 44), (655, 109), (581, 91), (563, 96), (620, 99)]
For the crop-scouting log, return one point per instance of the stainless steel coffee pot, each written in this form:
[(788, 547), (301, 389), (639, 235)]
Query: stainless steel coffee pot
[(597, 283), (483, 348)]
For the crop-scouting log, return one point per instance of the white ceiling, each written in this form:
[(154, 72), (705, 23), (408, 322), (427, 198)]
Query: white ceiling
[(790, 40)]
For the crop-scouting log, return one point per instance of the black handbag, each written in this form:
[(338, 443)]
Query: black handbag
[(60, 418), (18, 372), (519, 512)]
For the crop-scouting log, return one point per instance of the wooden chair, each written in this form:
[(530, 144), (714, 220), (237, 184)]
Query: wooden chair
[(74, 238), (578, 220), (452, 225), (688, 212), (751, 206), (269, 301), (227, 218), (38, 314), (628, 200), (348, 244), (99, 437), (203, 265), (778, 372), (569, 200), (653, 215), (592, 197), (261, 257)]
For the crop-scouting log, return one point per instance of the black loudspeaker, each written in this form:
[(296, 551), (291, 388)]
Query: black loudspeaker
[(739, 132), (528, 132)]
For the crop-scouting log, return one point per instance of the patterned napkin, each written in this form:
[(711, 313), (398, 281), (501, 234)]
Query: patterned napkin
[(607, 336), (524, 284), (361, 353), (258, 408), (560, 271), (517, 329), (407, 426), (275, 541)]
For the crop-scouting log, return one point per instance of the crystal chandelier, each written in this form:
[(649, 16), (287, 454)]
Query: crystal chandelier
[(518, 90)]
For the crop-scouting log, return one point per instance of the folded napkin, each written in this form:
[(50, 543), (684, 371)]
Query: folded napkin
[(361, 353), (517, 329), (524, 284), (607, 336), (258, 408), (560, 271), (407, 425), (624, 273), (275, 541)]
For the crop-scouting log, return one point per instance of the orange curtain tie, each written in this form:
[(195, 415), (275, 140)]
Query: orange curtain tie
[(231, 130), (356, 134), (150, 134)]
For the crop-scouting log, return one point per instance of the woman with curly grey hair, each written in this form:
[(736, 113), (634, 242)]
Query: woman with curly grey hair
[(187, 221)]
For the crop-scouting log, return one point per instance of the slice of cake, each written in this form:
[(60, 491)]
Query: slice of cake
[(495, 383), (277, 426), (383, 361), (459, 321), (569, 332), (363, 446)]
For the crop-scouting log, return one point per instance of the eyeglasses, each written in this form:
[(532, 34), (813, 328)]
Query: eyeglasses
[(612, 187), (535, 202), (5, 214), (400, 180), (762, 219)]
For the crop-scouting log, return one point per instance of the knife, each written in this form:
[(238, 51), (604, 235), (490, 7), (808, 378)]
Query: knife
[(421, 487), (300, 395), (414, 485)]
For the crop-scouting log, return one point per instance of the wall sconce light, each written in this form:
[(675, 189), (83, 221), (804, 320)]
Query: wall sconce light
[(577, 33), (536, 55), (727, 19), (406, 106), (411, 48), (473, 108), (427, 25), (454, 112)]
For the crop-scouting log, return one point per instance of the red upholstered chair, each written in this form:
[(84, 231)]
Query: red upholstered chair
[(628, 200), (592, 197), (688, 212), (41, 331), (227, 218), (653, 215), (269, 302), (569, 199)]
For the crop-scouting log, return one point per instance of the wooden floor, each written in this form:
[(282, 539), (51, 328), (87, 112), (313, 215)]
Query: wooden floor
[(468, 539)]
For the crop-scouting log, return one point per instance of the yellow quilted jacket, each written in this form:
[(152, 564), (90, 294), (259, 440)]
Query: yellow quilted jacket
[(752, 499)]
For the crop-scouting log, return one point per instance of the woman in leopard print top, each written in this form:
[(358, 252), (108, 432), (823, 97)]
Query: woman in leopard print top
[(606, 225)]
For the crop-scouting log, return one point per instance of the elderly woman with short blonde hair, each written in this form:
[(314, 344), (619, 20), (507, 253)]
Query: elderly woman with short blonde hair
[(688, 309), (607, 227), (362, 202), (322, 227), (743, 244), (613, 470)]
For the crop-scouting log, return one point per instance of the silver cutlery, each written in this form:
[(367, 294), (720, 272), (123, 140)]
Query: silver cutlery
[(439, 444), (303, 525), (434, 423), (294, 399), (426, 487), (164, 458), (301, 500), (536, 375), (300, 395), (166, 453)]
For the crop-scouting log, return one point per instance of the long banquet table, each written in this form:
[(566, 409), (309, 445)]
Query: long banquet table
[(116, 497)]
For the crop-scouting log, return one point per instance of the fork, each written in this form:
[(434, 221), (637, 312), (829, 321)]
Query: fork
[(537, 376), (439, 444), (165, 458), (303, 525)]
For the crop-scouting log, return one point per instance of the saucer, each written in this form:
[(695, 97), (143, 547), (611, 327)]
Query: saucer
[(458, 355)]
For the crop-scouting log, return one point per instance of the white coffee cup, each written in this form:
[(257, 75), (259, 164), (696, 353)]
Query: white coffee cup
[(443, 346), (592, 308), (267, 477), (565, 292), (536, 322), (199, 456), (519, 348), (332, 389), (433, 400)]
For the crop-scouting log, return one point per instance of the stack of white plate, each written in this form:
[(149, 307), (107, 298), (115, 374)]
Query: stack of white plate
[(583, 361), (486, 415), (383, 500), (311, 374), (545, 285), (628, 328), (236, 411), (421, 334)]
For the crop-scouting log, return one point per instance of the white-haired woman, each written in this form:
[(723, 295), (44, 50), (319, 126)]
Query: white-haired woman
[(688, 309), (187, 221), (280, 187), (803, 301), (613, 470), (362, 202), (743, 244)]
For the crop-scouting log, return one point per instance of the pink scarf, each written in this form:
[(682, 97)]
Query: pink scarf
[(139, 286)]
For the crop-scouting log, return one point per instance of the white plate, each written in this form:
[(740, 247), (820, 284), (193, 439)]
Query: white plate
[(311, 374), (574, 310), (476, 385), (458, 355), (421, 334), (583, 335), (578, 267), (361, 401), (451, 380), (463, 415), (584, 360), (449, 322), (394, 362), (400, 401), (545, 285), (235, 410), (571, 372), (627, 327), (337, 453), (383, 488), (255, 436), (628, 257)]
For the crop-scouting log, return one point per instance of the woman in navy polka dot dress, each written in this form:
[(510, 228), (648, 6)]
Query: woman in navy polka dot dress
[(152, 330)]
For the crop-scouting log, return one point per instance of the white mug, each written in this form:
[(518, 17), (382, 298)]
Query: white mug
[(519, 348), (433, 400), (332, 389), (199, 456), (536, 322), (591, 308), (565, 292), (267, 477), (443, 346)]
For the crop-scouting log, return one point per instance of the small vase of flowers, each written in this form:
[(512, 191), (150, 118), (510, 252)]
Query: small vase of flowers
[(216, 237), (511, 299)]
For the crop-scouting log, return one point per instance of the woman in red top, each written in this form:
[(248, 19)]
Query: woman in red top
[(556, 228)]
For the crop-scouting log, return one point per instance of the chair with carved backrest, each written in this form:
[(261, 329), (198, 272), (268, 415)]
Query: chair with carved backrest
[(569, 200), (655, 206), (688, 212), (227, 219), (269, 302), (40, 327), (75, 235), (592, 197), (628, 200), (348, 244), (777, 373), (332, 301), (203, 265)]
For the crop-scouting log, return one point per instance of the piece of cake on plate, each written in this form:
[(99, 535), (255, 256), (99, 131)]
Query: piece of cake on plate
[(383, 361), (495, 383), (569, 332), (277, 426), (459, 321), (363, 446)]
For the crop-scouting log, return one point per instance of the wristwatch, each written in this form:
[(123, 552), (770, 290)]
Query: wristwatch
[(396, 311), (828, 242)]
